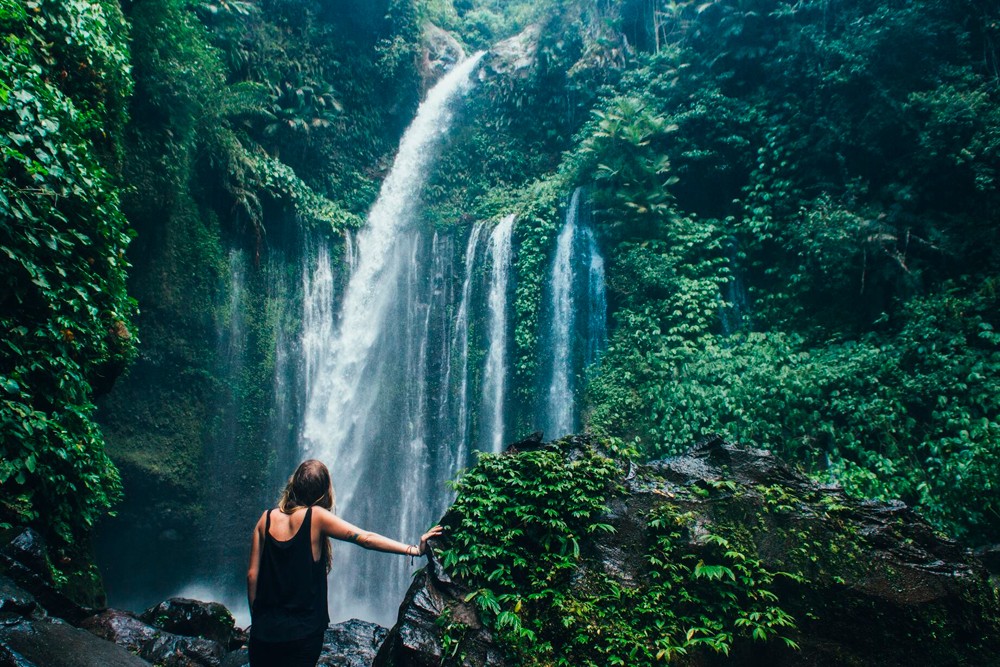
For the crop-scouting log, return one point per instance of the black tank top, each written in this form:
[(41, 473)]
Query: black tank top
[(291, 587)]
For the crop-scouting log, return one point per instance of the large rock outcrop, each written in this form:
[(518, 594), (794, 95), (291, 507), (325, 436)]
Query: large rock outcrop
[(29, 637), (874, 584), (441, 51)]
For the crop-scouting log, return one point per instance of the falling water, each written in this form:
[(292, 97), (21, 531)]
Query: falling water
[(597, 303), (318, 312), (495, 375), (734, 309), (576, 311), (350, 252), (559, 413), (460, 343), (367, 402)]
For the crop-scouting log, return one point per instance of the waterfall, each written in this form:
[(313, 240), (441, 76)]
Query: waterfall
[(495, 374), (576, 310), (350, 252), (734, 307), (460, 342), (367, 413), (597, 303), (559, 414), (317, 314)]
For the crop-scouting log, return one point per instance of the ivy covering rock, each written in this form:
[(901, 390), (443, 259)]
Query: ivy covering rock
[(64, 312), (563, 555)]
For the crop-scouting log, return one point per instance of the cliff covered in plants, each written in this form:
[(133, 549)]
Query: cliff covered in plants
[(557, 554), (253, 125), (798, 204), (67, 320)]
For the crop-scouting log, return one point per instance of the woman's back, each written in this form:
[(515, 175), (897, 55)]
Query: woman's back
[(291, 589), (289, 559)]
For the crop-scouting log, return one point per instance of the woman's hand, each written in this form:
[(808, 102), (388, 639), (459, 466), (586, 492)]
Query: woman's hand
[(436, 531)]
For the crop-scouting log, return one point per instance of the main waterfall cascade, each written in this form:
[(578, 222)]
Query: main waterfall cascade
[(408, 373), (367, 407)]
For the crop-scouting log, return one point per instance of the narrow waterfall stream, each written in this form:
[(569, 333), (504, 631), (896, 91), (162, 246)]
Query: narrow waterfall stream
[(577, 319), (366, 411), (460, 343), (597, 302), (495, 375), (560, 416)]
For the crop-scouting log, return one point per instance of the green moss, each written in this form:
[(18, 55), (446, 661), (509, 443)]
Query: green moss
[(518, 535)]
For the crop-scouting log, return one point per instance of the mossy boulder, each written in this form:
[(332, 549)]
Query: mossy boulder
[(725, 555)]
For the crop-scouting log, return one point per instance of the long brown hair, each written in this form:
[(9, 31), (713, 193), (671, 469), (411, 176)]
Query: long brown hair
[(309, 486)]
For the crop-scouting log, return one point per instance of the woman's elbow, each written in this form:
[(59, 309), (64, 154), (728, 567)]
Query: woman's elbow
[(367, 540)]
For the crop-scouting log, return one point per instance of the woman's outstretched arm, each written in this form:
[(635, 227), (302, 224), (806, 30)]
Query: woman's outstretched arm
[(335, 527)]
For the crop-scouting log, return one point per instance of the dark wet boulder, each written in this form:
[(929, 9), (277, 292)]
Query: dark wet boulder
[(154, 644), (417, 639), (171, 650), (28, 548), (122, 628), (193, 618), (866, 583), (16, 601), (45, 642), (352, 643), (25, 561)]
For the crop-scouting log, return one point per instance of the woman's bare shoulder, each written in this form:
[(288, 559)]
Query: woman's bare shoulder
[(322, 514), (261, 522)]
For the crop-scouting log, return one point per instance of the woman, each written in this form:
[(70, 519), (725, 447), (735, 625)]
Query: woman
[(289, 559)]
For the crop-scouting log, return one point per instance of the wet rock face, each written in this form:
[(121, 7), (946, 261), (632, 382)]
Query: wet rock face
[(25, 561), (515, 57), (154, 644), (47, 642), (193, 618), (417, 640), (876, 585), (352, 643), (15, 601), (441, 52)]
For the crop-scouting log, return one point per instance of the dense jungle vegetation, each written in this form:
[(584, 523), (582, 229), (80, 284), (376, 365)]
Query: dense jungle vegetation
[(799, 202)]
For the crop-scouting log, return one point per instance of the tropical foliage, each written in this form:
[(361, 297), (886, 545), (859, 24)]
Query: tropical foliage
[(66, 319), (517, 531)]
